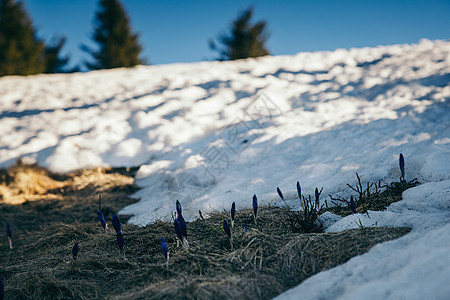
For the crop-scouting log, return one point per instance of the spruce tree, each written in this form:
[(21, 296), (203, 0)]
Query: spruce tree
[(21, 52), (244, 39), (54, 63), (117, 45)]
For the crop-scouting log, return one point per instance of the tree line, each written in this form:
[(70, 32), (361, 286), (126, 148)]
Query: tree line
[(22, 52)]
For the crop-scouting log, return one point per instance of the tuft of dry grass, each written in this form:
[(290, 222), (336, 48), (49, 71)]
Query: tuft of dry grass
[(371, 196), (23, 182), (100, 179), (28, 182)]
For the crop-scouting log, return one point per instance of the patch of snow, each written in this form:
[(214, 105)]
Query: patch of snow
[(415, 266)]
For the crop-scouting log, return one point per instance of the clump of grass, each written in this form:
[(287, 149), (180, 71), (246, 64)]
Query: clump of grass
[(371, 196), (305, 220), (26, 182)]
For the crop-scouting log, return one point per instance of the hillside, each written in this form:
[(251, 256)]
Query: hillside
[(212, 133)]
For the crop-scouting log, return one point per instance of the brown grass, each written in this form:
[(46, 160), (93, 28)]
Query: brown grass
[(23, 182), (371, 196), (266, 260)]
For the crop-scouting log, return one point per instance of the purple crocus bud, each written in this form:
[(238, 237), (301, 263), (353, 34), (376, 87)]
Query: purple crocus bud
[(120, 240), (75, 251), (179, 209), (281, 196), (401, 162), (299, 190), (233, 212), (280, 193), (116, 223), (101, 218), (226, 228), (8, 231), (201, 215), (184, 232), (165, 251), (255, 206), (183, 226), (317, 197), (177, 226), (164, 247), (352, 205)]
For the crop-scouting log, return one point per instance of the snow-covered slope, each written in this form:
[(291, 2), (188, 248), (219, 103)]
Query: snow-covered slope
[(212, 133), (215, 132)]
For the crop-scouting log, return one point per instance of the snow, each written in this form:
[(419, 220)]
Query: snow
[(415, 266), (211, 133)]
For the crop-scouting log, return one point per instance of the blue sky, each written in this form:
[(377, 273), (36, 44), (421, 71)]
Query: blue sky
[(178, 31)]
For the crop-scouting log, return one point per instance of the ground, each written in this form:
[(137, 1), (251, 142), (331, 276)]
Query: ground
[(45, 228)]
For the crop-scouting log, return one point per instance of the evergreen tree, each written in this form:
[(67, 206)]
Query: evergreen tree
[(54, 63), (117, 45), (244, 39), (21, 52)]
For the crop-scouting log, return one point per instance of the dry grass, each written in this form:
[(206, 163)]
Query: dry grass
[(41, 267), (266, 260), (24, 182), (371, 196)]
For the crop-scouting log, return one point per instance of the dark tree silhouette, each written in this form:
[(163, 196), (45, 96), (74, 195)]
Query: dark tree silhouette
[(117, 45), (21, 51), (244, 39), (54, 63)]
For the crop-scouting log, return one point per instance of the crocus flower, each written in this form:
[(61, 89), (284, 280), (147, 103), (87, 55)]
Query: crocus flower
[(352, 205), (232, 213), (299, 190), (183, 232), (9, 234), (116, 223), (227, 229), (178, 205), (183, 226), (401, 161), (281, 196), (165, 251), (201, 216), (8, 230), (255, 207), (75, 251), (121, 242), (101, 218), (177, 226)]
